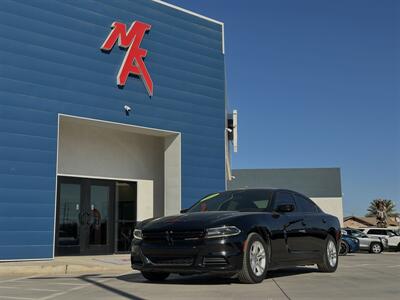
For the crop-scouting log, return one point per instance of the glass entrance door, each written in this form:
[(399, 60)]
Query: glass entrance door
[(126, 199), (100, 222), (69, 218), (85, 218)]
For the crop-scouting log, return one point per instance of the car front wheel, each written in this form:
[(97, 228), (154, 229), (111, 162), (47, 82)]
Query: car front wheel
[(330, 257), (255, 260), (344, 248)]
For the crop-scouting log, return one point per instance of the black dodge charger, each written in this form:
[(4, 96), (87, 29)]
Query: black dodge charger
[(243, 232)]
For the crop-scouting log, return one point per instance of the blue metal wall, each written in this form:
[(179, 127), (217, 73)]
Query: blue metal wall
[(50, 63)]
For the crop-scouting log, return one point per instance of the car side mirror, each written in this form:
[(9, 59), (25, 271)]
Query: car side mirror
[(184, 210), (284, 208)]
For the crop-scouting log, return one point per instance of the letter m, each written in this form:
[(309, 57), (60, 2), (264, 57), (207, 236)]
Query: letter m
[(133, 61)]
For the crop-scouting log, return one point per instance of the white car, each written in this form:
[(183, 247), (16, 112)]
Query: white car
[(372, 244), (391, 235)]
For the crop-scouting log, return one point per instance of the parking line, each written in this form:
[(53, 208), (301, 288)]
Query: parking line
[(15, 279), (63, 292), (16, 298), (85, 285), (67, 283), (28, 289)]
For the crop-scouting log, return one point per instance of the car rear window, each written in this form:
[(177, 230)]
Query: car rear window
[(305, 204)]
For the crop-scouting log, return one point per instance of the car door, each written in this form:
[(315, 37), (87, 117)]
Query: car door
[(383, 233), (292, 225), (314, 226)]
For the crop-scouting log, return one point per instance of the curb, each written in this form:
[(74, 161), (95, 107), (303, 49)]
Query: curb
[(61, 269)]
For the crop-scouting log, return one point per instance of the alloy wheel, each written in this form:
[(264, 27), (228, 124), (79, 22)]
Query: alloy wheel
[(258, 258), (332, 253), (376, 248)]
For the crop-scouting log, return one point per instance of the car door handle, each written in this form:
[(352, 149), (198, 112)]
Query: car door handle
[(303, 223)]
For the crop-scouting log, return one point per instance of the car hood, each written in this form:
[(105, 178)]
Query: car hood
[(189, 221)]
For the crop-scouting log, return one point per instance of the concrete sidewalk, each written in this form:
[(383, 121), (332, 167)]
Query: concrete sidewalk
[(62, 265)]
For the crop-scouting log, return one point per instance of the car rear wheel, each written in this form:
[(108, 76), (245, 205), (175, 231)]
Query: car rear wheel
[(375, 248), (255, 260), (330, 257), (344, 248), (155, 276)]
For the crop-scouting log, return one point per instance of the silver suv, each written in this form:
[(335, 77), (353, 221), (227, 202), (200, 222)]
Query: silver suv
[(371, 244), (390, 234)]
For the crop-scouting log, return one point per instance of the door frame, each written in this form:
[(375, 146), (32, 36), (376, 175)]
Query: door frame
[(116, 212), (67, 180), (85, 183)]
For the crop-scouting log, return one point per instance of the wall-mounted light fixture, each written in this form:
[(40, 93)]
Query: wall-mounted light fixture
[(127, 109)]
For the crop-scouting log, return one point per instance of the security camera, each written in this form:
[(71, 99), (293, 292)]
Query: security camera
[(127, 108), (229, 130)]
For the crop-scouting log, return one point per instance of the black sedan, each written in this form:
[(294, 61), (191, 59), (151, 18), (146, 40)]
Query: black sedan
[(242, 232)]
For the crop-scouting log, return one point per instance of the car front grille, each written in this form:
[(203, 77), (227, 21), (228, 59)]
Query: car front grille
[(177, 261), (172, 235)]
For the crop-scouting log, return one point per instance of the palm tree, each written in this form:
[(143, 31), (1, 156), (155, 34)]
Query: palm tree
[(390, 208)]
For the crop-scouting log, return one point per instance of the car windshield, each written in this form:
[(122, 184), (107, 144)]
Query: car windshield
[(358, 233), (246, 201)]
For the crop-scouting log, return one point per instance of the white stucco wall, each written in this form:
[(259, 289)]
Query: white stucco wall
[(333, 206), (122, 152)]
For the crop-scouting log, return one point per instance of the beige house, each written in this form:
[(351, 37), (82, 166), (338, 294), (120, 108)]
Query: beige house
[(360, 222)]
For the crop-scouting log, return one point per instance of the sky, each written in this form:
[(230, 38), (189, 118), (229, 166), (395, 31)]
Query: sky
[(316, 84)]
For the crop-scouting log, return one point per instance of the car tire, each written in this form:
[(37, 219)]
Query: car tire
[(255, 259), (330, 258), (344, 248), (375, 248), (155, 276)]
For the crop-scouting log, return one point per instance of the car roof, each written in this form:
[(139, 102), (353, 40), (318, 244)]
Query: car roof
[(261, 189), (377, 228)]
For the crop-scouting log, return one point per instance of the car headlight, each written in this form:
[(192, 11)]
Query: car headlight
[(137, 234), (222, 231)]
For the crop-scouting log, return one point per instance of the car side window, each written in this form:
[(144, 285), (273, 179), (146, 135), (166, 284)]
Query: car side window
[(377, 231), (284, 198), (305, 204), (247, 201)]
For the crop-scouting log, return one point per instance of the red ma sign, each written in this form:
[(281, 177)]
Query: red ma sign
[(133, 62)]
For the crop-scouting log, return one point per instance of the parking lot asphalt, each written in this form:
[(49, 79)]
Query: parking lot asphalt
[(359, 276)]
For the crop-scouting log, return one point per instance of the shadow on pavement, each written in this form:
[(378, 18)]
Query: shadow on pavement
[(213, 280), (177, 279), (290, 272)]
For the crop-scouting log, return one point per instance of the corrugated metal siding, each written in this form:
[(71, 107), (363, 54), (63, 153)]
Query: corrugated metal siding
[(50, 63)]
